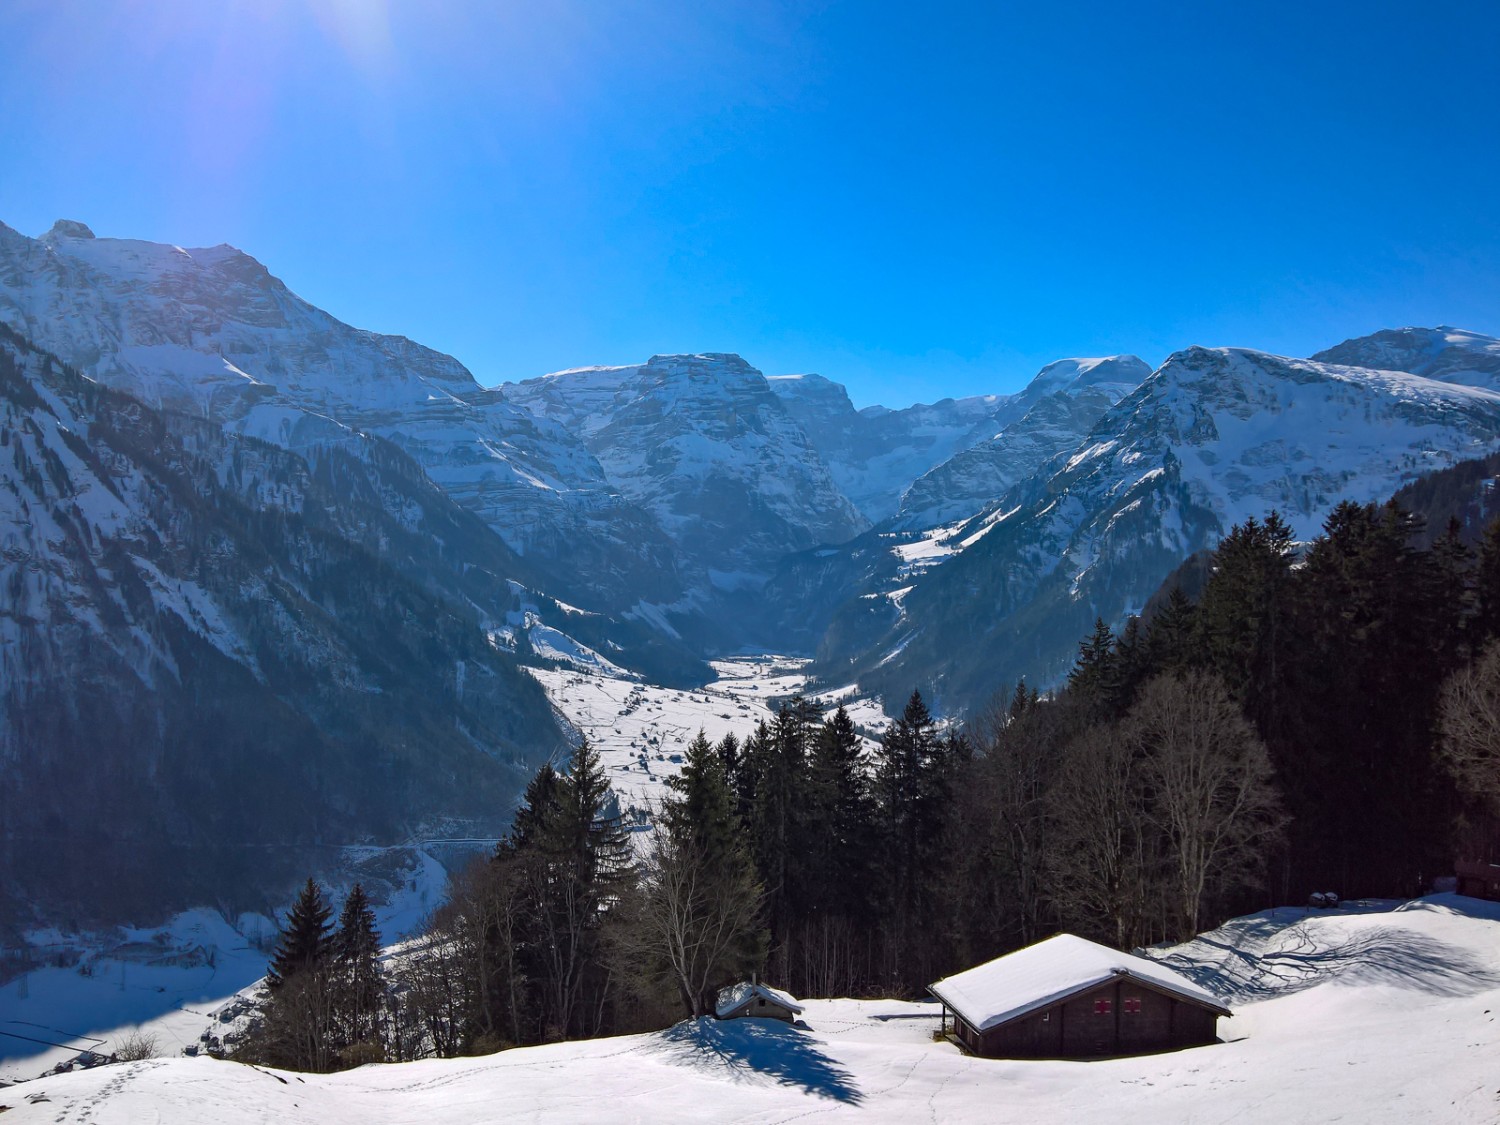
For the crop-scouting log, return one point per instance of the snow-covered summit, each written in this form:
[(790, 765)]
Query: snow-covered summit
[(1450, 355)]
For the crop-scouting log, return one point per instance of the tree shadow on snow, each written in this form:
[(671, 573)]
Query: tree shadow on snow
[(1386, 955), (742, 1049)]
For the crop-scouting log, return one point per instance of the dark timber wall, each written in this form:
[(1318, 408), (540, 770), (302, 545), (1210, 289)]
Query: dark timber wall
[(1123, 1017)]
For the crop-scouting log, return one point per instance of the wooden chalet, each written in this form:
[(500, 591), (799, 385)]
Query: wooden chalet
[(757, 1001), (1067, 997), (1478, 862)]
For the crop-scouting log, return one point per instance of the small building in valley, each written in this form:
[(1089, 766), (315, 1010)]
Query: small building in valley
[(757, 1001), (1068, 997)]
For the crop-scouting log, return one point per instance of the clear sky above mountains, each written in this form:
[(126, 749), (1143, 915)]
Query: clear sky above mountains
[(913, 199)]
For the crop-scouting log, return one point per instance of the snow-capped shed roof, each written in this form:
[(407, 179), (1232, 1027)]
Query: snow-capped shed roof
[(731, 998), (1052, 970)]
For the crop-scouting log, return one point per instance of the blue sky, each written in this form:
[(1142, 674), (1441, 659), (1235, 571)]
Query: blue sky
[(915, 199)]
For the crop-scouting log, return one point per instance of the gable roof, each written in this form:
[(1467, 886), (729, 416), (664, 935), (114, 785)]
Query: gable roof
[(1052, 970), (732, 998)]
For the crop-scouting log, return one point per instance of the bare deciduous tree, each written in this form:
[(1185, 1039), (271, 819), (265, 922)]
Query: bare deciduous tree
[(1100, 858), (694, 919), (1469, 722), (1207, 779)]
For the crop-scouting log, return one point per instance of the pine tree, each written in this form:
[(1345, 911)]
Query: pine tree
[(911, 786), (1022, 701), (1172, 643), (579, 864), (1244, 615), (701, 808), (841, 819), (1094, 682), (298, 1027), (306, 941), (356, 969), (1487, 586)]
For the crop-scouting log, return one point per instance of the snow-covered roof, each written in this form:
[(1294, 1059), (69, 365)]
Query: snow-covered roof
[(1042, 974), (731, 998)]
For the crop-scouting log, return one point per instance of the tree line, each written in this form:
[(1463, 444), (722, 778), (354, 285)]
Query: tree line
[(1285, 718)]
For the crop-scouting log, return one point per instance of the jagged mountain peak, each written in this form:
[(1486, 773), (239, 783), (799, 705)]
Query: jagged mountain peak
[(68, 228)]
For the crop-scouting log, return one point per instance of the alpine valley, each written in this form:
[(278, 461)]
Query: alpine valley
[(276, 585)]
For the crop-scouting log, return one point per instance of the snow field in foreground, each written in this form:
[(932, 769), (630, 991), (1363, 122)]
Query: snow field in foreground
[(1384, 1016)]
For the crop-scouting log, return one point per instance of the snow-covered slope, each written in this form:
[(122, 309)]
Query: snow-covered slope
[(1213, 437), (1370, 1015)]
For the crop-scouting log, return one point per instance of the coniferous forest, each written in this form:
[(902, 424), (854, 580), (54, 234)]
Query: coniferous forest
[(1283, 719)]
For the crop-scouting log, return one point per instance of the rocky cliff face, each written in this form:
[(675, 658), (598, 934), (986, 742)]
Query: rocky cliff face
[(875, 453), (702, 444)]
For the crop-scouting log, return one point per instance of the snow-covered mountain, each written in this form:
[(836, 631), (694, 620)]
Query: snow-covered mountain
[(212, 332), (1062, 404), (1450, 355), (876, 453), (1215, 436), (662, 497), (218, 657), (701, 444)]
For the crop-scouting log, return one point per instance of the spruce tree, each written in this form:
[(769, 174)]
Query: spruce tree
[(356, 967), (840, 822), (306, 941), (1094, 682)]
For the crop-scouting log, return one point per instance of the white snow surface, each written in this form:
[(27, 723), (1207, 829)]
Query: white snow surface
[(1042, 974), (641, 730), (1391, 1016)]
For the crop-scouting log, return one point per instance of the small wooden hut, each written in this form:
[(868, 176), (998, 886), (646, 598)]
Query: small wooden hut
[(757, 1001), (1067, 997)]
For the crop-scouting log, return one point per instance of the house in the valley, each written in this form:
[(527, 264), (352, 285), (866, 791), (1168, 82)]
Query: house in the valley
[(756, 1001), (1067, 997)]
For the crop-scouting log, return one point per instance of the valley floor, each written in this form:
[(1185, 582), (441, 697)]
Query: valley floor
[(1381, 1012)]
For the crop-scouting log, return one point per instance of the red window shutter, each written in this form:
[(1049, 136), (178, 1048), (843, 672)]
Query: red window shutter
[(1132, 1005), (1102, 1007)]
